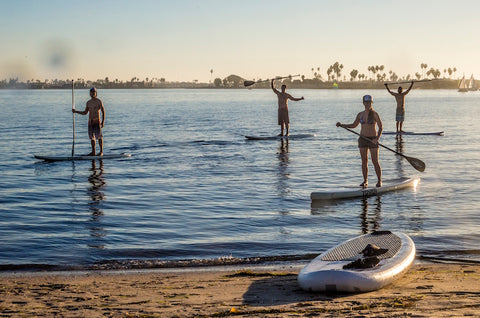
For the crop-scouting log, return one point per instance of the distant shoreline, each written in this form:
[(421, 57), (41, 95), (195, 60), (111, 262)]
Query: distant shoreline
[(237, 84)]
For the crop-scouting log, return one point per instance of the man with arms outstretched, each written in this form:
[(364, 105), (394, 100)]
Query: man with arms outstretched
[(283, 97)]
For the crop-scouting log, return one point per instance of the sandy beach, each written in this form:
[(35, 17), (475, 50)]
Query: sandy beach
[(427, 290)]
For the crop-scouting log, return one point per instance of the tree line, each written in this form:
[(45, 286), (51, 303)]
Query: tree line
[(335, 77)]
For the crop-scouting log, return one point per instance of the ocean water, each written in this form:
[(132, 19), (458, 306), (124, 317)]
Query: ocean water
[(196, 191)]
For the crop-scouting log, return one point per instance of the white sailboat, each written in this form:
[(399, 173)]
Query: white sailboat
[(472, 85), (462, 87)]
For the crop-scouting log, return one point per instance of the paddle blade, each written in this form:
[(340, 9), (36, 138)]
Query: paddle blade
[(416, 163), (248, 83)]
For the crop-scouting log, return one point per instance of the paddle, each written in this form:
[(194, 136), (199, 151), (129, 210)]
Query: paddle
[(405, 82), (416, 163), (73, 107), (250, 83)]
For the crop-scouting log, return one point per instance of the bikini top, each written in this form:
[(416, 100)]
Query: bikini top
[(370, 119)]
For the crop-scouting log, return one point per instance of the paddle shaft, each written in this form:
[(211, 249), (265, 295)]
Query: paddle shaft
[(365, 138), (73, 114), (406, 82), (416, 163), (250, 83)]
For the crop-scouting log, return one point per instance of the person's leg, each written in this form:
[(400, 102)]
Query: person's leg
[(397, 126), (364, 157), (401, 126), (92, 142), (287, 127), (376, 165), (100, 143)]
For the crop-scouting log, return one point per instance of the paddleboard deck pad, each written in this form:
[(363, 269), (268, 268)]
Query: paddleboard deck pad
[(437, 133), (86, 157), (371, 190), (335, 269), (297, 136)]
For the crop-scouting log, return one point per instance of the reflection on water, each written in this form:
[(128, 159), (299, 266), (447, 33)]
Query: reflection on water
[(399, 145), (370, 211), (96, 197), (370, 220), (283, 161)]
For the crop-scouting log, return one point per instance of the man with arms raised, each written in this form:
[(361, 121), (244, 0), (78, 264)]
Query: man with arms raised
[(400, 97)]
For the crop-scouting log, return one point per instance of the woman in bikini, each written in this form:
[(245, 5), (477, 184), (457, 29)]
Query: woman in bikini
[(369, 138)]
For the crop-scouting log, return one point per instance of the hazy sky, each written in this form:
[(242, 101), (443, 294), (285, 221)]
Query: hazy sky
[(182, 40)]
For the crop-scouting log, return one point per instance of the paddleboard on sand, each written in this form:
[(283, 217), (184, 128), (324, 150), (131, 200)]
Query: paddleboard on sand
[(364, 263), (298, 136), (85, 157), (346, 193), (437, 133)]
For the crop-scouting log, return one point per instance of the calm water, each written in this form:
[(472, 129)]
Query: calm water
[(195, 189)]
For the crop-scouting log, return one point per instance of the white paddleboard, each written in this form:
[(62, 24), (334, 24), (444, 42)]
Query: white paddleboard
[(298, 136), (326, 273), (437, 133), (74, 158), (346, 193)]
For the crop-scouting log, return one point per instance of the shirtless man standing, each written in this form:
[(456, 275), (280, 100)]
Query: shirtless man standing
[(93, 108), (283, 97), (400, 97)]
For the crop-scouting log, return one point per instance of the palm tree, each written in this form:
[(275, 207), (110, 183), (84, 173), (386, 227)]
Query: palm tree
[(374, 71), (423, 66), (353, 74), (329, 71), (337, 69)]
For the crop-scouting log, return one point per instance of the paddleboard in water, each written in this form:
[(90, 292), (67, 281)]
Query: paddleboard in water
[(364, 263), (86, 157), (437, 133), (298, 136), (345, 193)]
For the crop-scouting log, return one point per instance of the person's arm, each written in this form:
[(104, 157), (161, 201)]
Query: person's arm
[(102, 109), (376, 116), (295, 99), (81, 112), (388, 89), (408, 90), (379, 124), (273, 88), (352, 125)]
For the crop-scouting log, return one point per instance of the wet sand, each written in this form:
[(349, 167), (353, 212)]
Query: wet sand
[(426, 290)]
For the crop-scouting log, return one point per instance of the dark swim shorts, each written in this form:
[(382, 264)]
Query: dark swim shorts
[(94, 130), (283, 117), (362, 143)]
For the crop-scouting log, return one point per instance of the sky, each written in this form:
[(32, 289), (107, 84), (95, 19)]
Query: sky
[(183, 40)]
